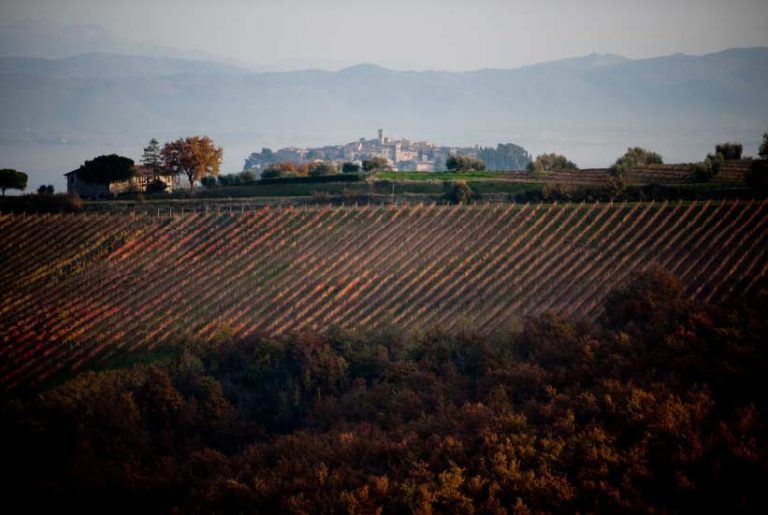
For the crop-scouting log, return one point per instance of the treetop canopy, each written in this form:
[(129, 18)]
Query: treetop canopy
[(12, 179), (106, 169)]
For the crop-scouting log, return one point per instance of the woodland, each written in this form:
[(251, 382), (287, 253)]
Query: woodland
[(658, 406)]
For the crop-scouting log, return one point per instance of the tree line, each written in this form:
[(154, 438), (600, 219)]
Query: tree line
[(199, 160), (319, 168), (193, 157)]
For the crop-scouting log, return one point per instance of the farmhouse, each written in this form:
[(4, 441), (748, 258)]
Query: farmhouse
[(138, 182)]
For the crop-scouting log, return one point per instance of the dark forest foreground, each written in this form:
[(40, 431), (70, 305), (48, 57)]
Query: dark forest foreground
[(661, 407)]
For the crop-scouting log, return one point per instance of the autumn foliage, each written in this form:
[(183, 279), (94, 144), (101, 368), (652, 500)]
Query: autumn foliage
[(658, 408), (194, 156)]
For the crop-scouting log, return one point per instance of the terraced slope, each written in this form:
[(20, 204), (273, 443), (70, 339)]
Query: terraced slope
[(731, 173), (81, 288)]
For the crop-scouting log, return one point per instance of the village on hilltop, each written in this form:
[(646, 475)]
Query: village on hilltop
[(401, 154)]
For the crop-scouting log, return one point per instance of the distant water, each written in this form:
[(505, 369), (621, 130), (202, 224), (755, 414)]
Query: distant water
[(46, 161)]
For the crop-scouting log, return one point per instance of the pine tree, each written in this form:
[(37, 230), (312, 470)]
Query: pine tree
[(763, 152), (151, 158)]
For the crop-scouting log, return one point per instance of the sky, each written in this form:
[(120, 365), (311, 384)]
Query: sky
[(416, 34)]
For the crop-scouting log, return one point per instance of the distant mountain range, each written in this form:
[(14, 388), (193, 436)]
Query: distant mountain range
[(44, 38), (58, 112)]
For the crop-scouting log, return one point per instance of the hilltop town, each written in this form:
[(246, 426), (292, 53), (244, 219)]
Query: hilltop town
[(401, 154)]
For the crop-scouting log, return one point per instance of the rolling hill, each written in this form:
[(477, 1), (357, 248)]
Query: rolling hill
[(82, 289)]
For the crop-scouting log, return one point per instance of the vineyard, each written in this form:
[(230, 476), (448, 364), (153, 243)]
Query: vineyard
[(81, 289), (732, 172)]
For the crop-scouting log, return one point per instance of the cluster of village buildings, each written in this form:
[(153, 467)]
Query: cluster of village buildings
[(402, 154)]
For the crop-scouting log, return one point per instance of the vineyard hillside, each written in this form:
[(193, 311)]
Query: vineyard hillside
[(79, 290)]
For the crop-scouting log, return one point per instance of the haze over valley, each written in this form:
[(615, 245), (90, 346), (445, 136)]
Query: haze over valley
[(59, 111)]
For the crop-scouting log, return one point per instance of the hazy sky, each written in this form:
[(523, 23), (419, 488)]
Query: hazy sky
[(439, 34)]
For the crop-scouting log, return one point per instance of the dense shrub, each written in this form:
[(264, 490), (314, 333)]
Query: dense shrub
[(232, 179), (45, 203), (635, 156), (549, 162), (708, 168), (44, 189), (159, 186), (284, 169), (349, 167), (464, 164), (376, 164), (248, 176), (457, 192), (208, 182), (319, 168), (555, 192), (729, 151)]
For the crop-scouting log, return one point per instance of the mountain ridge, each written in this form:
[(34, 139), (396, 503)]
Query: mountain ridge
[(46, 39)]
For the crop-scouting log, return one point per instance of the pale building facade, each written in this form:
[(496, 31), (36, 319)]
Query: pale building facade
[(137, 183)]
